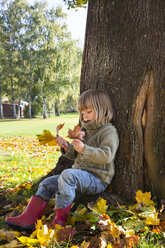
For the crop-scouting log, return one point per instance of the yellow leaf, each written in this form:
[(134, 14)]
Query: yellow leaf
[(114, 230), (81, 211), (100, 207), (109, 246), (27, 241), (38, 224), (45, 235), (47, 138), (153, 220), (144, 198)]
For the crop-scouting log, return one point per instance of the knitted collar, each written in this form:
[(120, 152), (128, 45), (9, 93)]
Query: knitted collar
[(93, 125)]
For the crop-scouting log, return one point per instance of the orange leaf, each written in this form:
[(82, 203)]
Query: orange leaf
[(58, 128), (76, 133)]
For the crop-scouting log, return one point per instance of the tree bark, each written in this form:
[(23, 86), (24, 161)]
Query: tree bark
[(18, 110), (56, 108), (14, 110), (1, 109), (1, 106), (44, 106), (124, 54), (30, 108)]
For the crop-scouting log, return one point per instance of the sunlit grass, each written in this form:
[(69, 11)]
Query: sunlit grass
[(30, 128), (22, 159)]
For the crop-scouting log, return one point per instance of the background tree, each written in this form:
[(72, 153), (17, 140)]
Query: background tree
[(1, 84), (39, 55), (12, 25), (76, 3), (67, 76), (124, 54)]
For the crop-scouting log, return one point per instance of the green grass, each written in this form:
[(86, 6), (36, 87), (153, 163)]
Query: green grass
[(30, 128), (21, 158), (151, 240)]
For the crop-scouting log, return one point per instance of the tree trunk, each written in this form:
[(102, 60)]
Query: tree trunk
[(1, 109), (19, 110), (124, 54), (13, 99), (30, 108), (1, 106), (44, 106), (30, 98), (56, 109), (14, 110)]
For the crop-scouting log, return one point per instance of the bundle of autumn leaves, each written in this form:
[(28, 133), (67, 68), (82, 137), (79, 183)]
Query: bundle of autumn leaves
[(95, 226), (48, 138), (100, 225)]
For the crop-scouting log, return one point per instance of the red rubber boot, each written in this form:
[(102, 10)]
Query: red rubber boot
[(27, 219), (61, 216)]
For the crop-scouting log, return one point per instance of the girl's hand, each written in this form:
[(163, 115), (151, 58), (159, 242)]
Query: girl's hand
[(78, 145), (62, 143)]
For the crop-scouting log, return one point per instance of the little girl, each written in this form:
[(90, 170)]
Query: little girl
[(92, 170)]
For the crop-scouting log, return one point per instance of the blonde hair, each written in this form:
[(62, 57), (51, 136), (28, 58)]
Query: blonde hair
[(99, 101)]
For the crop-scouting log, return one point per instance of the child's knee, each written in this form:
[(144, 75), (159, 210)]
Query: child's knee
[(67, 175), (45, 182)]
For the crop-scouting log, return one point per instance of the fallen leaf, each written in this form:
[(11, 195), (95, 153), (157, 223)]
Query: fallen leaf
[(100, 207), (134, 224), (28, 241), (66, 233), (144, 198)]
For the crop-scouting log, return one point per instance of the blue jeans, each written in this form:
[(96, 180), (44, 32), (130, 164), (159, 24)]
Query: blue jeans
[(63, 187)]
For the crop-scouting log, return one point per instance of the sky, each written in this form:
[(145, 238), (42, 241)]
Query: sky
[(76, 19)]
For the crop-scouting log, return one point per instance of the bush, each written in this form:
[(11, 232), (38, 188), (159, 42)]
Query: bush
[(69, 105), (35, 110)]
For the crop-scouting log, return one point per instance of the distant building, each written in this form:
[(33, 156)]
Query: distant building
[(8, 108)]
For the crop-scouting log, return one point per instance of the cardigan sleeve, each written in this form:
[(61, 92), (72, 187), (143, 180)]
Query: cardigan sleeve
[(71, 153)]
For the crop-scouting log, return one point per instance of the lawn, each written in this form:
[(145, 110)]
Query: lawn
[(22, 159), (30, 128)]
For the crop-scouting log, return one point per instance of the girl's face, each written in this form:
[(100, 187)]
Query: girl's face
[(88, 114)]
